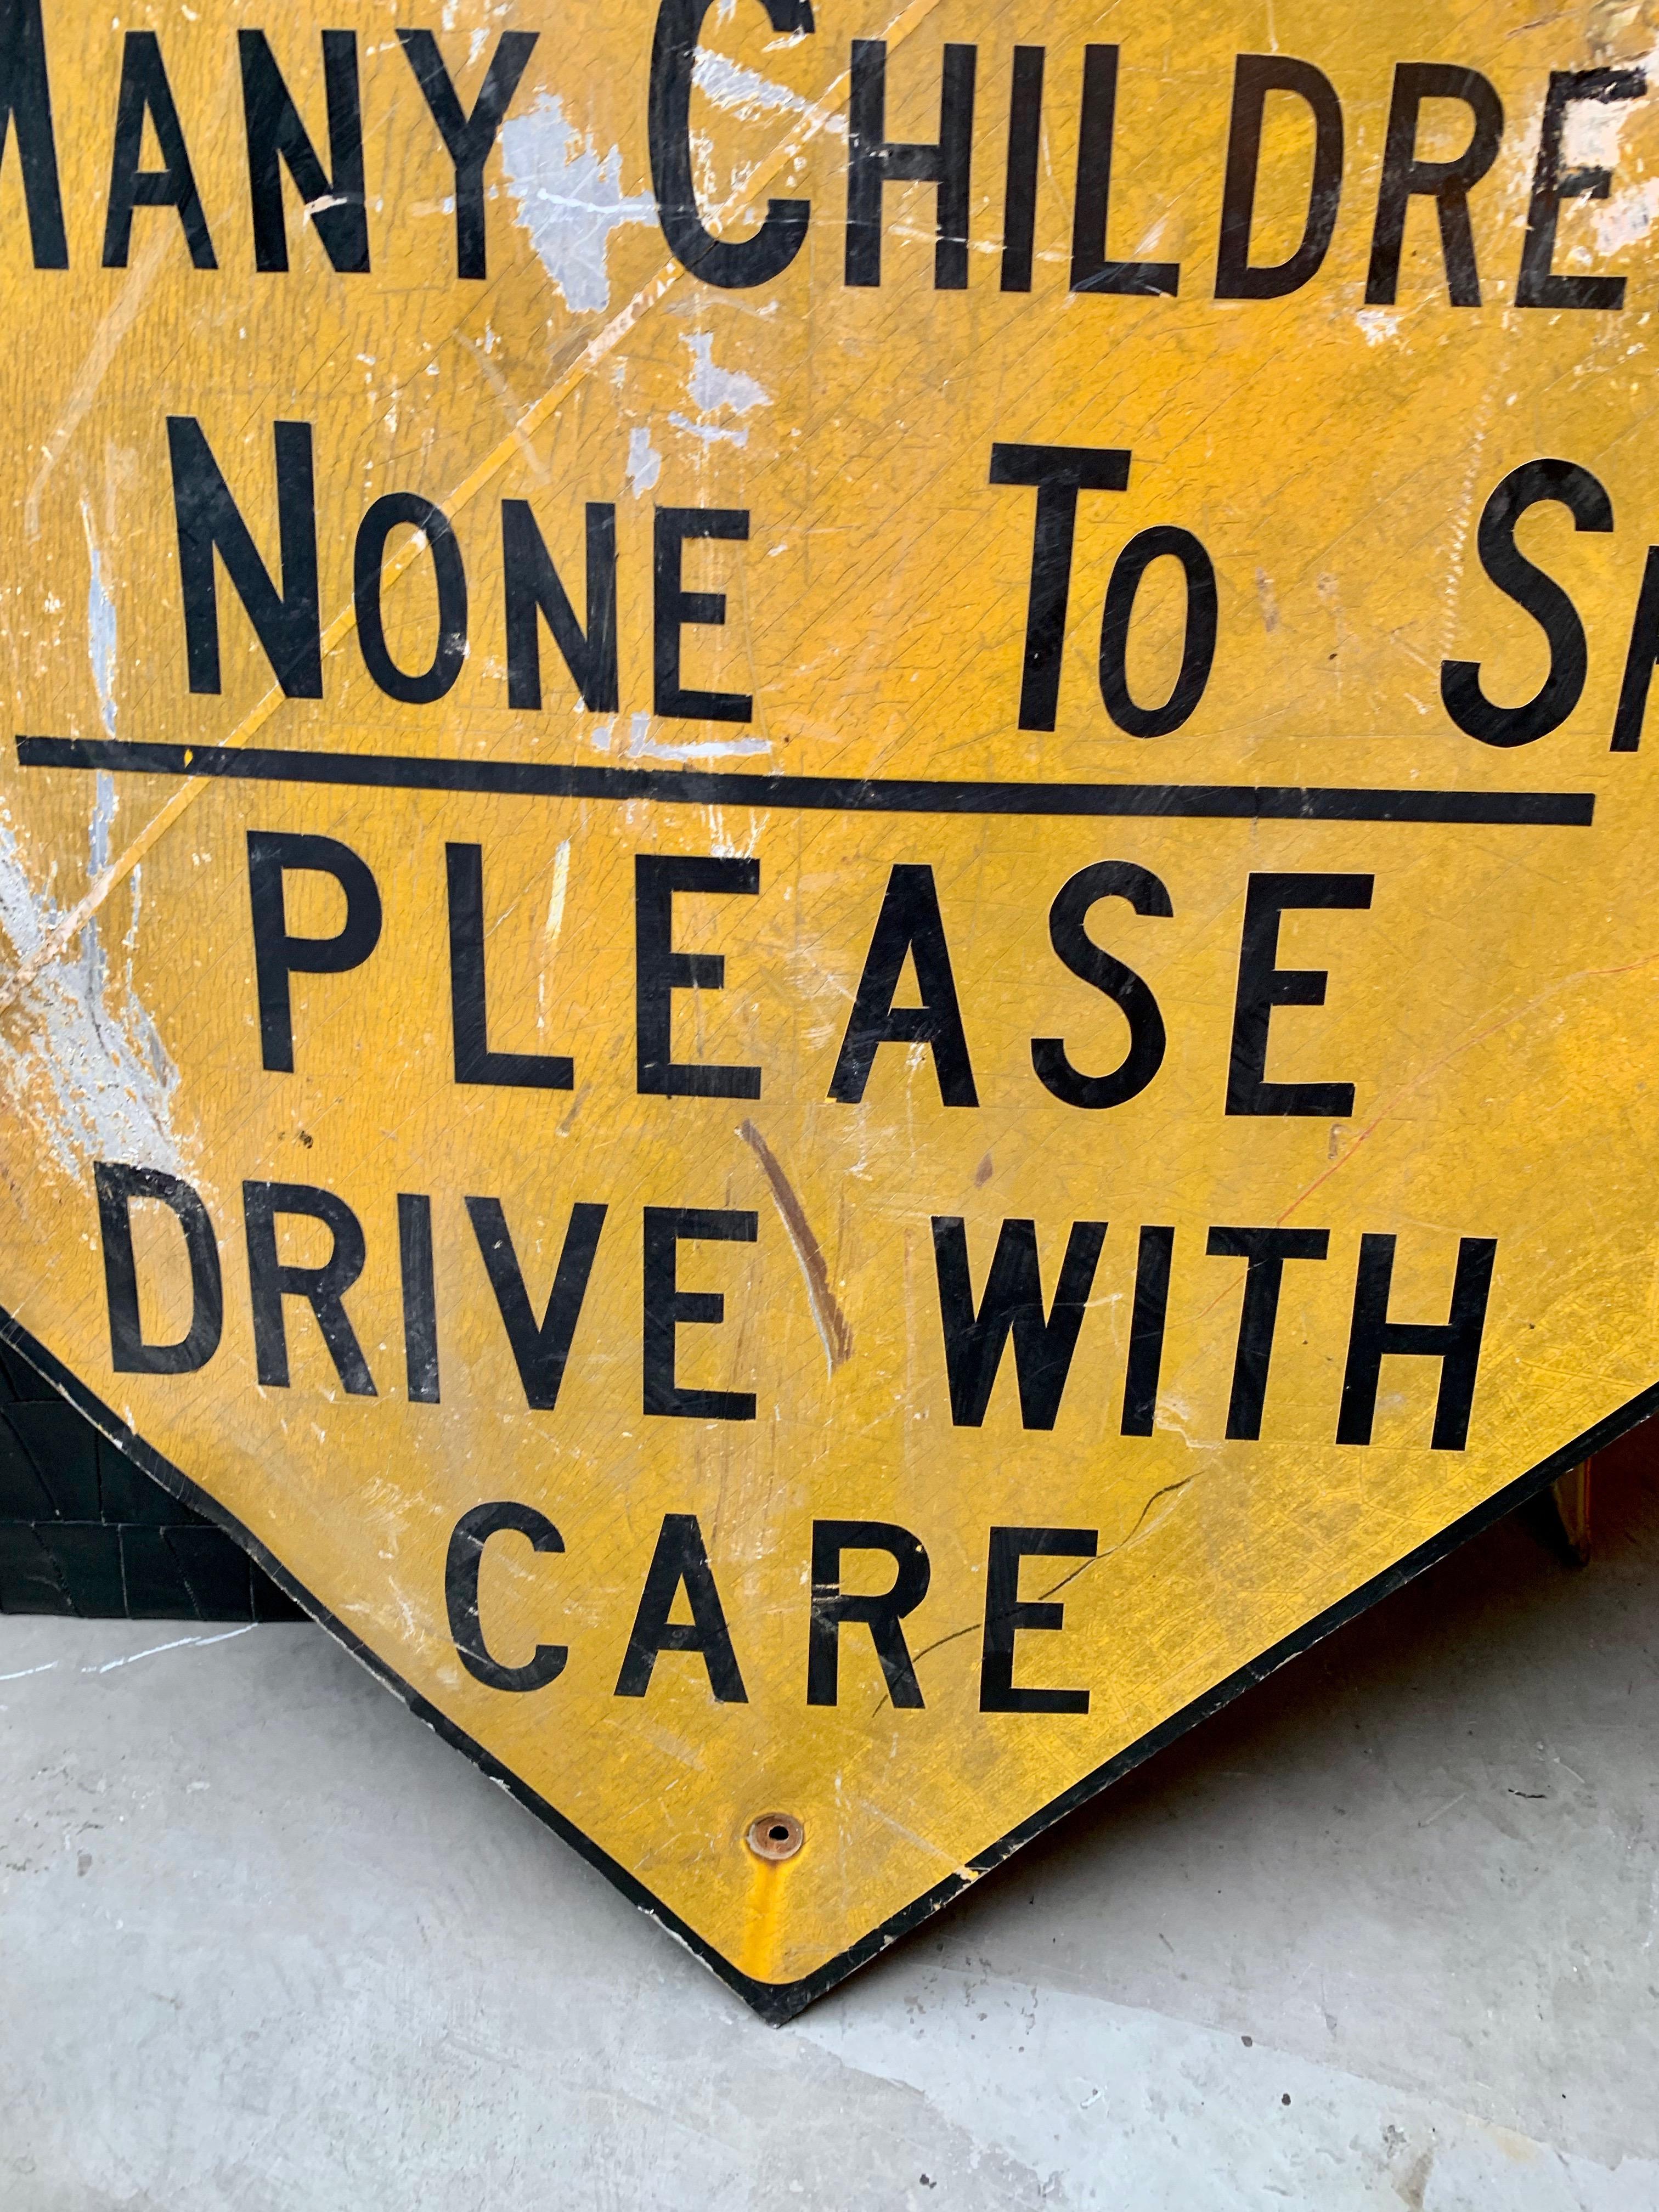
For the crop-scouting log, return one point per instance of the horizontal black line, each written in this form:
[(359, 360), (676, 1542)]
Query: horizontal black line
[(1243, 802)]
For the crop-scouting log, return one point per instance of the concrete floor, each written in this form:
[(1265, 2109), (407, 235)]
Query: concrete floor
[(1384, 1935)]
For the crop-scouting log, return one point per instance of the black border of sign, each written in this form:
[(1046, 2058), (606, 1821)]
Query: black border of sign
[(778, 2001)]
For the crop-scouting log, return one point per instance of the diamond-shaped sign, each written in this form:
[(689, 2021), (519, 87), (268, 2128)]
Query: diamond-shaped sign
[(827, 890)]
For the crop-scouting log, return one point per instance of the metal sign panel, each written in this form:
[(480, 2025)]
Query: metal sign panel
[(829, 869)]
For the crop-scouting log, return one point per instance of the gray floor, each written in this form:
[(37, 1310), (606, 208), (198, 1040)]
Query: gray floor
[(1383, 1935)]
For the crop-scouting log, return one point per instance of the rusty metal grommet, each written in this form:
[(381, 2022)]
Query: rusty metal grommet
[(776, 1836)]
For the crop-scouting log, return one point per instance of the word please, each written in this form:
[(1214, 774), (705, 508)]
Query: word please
[(908, 932)]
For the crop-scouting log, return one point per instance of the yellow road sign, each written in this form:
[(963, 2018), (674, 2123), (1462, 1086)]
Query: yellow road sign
[(829, 867)]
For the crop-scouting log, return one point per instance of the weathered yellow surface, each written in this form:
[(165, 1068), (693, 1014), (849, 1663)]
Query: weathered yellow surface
[(1493, 1007)]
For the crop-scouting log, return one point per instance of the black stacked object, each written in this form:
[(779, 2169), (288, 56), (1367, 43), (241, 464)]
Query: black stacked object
[(84, 1532)]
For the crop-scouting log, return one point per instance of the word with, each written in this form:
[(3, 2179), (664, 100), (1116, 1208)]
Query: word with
[(1010, 1308)]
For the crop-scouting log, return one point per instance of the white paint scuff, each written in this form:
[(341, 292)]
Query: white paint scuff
[(1591, 139), (720, 390), (748, 94), (1378, 325), (711, 434), (715, 391), (642, 746), (1629, 216), (644, 462), (84, 1064), (569, 199), (553, 927), (100, 632), (93, 1076)]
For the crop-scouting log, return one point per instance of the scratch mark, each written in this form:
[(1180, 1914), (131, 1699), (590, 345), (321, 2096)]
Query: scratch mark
[(101, 635), (178, 1645), (1446, 1807), (1264, 592), (106, 342), (512, 405), (921, 1842), (831, 1322), (745, 92), (712, 433), (1170, 1490), (553, 927), (560, 883), (1494, 1028)]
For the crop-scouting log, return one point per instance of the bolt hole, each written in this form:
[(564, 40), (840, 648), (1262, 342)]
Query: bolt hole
[(776, 1836)]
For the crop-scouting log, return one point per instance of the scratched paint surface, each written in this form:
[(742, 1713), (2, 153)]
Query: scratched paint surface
[(1491, 1003)]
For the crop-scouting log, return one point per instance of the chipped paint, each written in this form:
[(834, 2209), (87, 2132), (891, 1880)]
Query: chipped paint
[(569, 200), (644, 461), (97, 1073), (1379, 325), (642, 745), (1627, 216), (710, 433), (92, 1073), (715, 391), (719, 390)]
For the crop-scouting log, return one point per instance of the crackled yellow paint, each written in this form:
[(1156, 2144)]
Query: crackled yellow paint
[(1494, 1008)]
